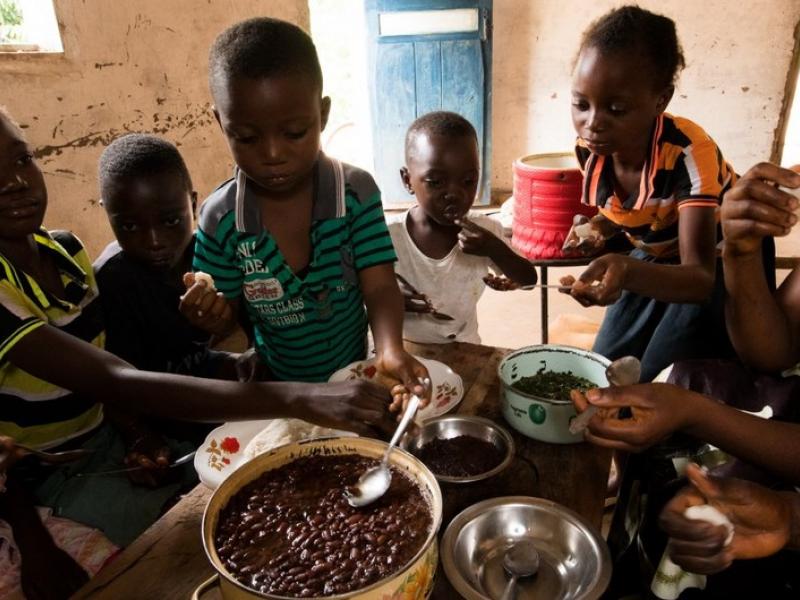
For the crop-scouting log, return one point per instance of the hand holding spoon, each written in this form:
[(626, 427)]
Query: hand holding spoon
[(375, 481), (623, 371)]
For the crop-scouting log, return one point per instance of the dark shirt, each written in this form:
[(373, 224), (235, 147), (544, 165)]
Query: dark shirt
[(143, 323)]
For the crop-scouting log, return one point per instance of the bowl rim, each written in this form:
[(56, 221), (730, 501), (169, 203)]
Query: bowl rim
[(463, 587), (511, 447), (599, 358), (431, 539)]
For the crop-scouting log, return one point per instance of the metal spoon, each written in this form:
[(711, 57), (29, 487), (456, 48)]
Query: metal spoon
[(55, 458), (521, 560), (375, 481), (623, 371), (176, 463)]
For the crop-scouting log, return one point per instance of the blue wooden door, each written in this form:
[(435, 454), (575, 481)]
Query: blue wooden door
[(426, 55)]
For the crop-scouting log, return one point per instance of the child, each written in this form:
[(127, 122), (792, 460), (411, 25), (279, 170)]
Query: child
[(296, 236), (54, 375), (148, 196), (445, 252), (660, 178)]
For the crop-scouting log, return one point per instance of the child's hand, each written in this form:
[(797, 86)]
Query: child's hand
[(410, 372), (474, 239), (754, 208), (761, 518), (151, 453), (601, 283), (205, 308)]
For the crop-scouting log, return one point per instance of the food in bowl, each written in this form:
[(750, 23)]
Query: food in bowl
[(552, 385), (460, 456), (291, 532)]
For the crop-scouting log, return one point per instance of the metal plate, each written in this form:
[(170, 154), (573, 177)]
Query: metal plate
[(575, 562)]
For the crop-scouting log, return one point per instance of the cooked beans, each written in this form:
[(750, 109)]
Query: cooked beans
[(291, 531)]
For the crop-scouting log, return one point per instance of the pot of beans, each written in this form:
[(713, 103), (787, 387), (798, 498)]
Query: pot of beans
[(280, 526), (535, 389)]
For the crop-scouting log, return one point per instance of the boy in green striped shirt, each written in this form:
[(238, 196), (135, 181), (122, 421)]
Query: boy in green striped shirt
[(296, 236)]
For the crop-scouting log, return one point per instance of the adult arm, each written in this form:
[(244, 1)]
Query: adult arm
[(764, 328), (78, 366), (660, 409), (690, 281)]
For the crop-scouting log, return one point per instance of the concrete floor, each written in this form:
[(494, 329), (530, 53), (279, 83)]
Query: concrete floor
[(513, 319)]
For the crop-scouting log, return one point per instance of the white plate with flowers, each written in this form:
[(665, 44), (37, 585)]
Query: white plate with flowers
[(231, 445), (447, 387)]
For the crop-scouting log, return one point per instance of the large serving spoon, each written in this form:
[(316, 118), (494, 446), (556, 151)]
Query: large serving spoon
[(375, 481), (521, 560), (623, 371)]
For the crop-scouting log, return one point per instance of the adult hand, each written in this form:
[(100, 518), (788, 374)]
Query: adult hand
[(411, 374), (151, 453), (657, 410), (205, 308), (474, 239), (356, 405), (601, 283), (754, 208), (761, 521), (49, 573)]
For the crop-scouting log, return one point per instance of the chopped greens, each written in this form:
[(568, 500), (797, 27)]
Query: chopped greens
[(552, 385)]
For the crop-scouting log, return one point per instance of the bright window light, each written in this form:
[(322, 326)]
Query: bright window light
[(29, 26)]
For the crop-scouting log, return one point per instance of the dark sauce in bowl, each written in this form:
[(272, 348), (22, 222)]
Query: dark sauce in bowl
[(460, 456)]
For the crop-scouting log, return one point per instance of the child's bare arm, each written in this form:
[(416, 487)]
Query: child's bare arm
[(474, 239), (85, 369), (764, 329), (659, 410), (47, 571), (385, 311), (690, 281)]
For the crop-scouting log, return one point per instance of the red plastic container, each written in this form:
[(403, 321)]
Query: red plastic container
[(547, 195)]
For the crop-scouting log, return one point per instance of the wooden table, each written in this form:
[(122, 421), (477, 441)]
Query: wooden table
[(168, 560)]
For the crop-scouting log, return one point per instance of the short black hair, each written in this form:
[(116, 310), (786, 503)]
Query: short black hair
[(139, 154), (440, 122), (262, 47), (633, 29)]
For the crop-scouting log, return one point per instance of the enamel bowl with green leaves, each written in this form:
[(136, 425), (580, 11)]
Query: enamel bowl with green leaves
[(535, 415)]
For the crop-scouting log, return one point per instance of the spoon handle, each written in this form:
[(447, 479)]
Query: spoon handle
[(510, 592), (411, 410)]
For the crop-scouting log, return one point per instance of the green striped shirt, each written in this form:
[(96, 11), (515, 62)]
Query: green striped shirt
[(305, 327)]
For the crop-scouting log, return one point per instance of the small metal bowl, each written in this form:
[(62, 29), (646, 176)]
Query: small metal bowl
[(447, 427), (574, 560)]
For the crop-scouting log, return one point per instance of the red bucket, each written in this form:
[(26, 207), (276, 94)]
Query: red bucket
[(547, 195)]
